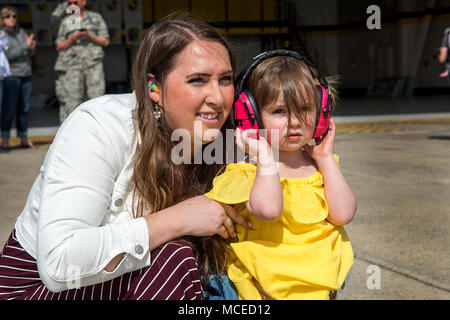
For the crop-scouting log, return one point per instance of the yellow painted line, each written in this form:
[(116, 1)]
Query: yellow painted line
[(37, 141), (391, 122), (344, 127), (382, 126)]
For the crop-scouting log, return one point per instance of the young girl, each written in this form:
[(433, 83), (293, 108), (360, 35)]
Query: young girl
[(297, 204)]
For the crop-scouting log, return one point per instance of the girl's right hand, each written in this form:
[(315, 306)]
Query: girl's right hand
[(202, 216), (248, 142)]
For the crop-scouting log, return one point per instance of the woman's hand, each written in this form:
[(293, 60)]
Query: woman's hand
[(31, 42), (323, 149), (198, 216), (205, 217)]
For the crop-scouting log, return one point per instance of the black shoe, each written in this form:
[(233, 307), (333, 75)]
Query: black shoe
[(26, 144), (5, 147)]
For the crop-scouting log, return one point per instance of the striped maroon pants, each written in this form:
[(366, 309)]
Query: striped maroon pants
[(172, 275)]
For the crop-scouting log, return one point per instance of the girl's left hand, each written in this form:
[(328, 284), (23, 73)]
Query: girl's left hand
[(323, 149)]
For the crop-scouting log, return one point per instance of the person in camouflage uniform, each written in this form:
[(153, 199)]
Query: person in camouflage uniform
[(80, 43), (58, 14)]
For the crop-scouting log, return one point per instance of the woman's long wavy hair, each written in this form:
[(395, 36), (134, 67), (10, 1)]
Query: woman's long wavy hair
[(159, 182)]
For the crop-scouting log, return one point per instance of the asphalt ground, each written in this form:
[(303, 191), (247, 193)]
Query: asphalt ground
[(398, 167)]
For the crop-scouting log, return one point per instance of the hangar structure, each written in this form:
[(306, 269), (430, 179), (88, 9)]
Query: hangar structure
[(398, 58)]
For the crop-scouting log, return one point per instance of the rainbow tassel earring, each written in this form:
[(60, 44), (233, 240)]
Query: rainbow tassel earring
[(157, 111)]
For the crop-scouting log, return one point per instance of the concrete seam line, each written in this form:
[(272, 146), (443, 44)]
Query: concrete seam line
[(404, 272)]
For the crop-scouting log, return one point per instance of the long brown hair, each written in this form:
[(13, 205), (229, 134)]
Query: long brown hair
[(158, 182), (292, 78)]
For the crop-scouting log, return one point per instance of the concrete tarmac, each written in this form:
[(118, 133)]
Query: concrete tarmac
[(397, 163)]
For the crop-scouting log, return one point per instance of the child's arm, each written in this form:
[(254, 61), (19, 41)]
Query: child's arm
[(266, 196), (338, 194)]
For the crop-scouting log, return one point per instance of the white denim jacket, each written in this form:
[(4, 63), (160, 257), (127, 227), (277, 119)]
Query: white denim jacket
[(77, 217)]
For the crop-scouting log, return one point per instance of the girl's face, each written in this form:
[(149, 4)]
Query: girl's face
[(293, 134), (199, 90)]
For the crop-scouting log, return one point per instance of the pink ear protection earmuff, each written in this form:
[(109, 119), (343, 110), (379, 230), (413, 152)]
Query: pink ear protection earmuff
[(246, 114)]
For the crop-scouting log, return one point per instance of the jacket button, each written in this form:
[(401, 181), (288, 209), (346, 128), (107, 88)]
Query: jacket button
[(139, 249), (118, 202)]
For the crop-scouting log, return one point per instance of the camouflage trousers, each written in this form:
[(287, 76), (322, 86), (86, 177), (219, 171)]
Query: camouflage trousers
[(74, 85)]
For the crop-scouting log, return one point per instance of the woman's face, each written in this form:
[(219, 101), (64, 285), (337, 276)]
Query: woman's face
[(291, 135), (10, 19), (198, 92)]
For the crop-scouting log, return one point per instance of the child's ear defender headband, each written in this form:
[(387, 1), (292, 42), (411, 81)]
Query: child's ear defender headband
[(246, 114)]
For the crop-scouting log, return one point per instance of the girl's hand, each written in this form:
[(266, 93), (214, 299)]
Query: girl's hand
[(248, 142), (323, 149)]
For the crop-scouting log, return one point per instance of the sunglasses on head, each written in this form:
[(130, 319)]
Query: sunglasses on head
[(73, 3), (9, 16)]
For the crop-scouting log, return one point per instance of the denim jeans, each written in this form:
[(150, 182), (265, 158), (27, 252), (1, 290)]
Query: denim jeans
[(1, 91), (16, 99), (447, 67)]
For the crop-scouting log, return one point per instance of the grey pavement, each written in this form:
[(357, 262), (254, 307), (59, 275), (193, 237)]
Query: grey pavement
[(398, 169), (402, 181)]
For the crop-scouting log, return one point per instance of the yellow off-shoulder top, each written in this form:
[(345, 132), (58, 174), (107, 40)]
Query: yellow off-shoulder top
[(299, 256)]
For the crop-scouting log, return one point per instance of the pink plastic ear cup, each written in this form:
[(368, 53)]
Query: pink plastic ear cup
[(324, 118), (243, 118), (245, 113)]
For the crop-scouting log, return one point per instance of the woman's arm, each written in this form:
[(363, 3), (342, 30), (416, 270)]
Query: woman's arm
[(266, 196), (16, 51), (197, 216), (75, 190), (338, 194)]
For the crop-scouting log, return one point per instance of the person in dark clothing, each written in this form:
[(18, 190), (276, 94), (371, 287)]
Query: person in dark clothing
[(17, 86), (443, 54)]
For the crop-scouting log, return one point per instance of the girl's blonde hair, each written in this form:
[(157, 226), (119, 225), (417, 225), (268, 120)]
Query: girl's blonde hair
[(294, 80)]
